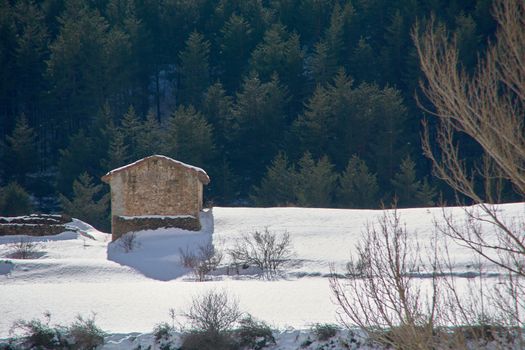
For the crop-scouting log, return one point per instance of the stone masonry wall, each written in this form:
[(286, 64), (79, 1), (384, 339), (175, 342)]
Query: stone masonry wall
[(33, 225), (155, 187), (129, 224)]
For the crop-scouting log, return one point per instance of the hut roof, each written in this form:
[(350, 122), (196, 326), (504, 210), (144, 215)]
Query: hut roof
[(201, 174)]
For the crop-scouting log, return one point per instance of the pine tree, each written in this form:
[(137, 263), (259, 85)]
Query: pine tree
[(218, 110), (118, 54), (14, 200), (334, 35), (236, 45), (426, 195), (88, 202), (8, 70), (132, 128), (77, 66), (194, 69), (31, 51), (224, 188), (467, 40), (279, 52), (150, 139), (358, 187), (117, 153), (389, 120), (394, 52), (314, 129), (363, 62), (76, 158), (190, 137), (259, 126), (315, 182), (278, 186), (320, 66), (19, 152), (406, 185)]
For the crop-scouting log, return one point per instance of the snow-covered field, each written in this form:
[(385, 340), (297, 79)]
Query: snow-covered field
[(82, 273)]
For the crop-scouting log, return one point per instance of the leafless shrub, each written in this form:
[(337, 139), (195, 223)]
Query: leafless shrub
[(85, 334), (264, 250), (24, 249), (213, 312), (205, 260), (128, 242), (382, 298)]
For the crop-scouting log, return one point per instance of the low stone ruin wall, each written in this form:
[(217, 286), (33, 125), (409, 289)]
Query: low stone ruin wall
[(125, 224), (34, 225)]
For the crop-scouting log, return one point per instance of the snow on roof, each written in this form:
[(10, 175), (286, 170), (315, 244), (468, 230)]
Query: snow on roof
[(201, 174)]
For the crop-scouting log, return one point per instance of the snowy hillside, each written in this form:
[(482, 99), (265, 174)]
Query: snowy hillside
[(82, 273)]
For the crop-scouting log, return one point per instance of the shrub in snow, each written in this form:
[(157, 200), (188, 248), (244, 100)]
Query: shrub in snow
[(38, 334), (207, 340), (162, 332), (128, 242), (264, 250), (324, 331), (254, 334), (205, 260), (82, 334), (24, 249), (85, 334), (213, 312)]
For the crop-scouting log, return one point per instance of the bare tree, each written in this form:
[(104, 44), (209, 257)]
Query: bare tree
[(382, 297), (489, 106)]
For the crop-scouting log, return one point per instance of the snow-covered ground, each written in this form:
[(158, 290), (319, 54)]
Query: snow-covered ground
[(80, 272)]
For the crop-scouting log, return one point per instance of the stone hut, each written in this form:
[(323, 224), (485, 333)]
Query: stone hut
[(155, 192)]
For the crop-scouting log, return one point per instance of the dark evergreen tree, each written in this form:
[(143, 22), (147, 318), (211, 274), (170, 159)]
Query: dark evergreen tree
[(278, 187), (394, 52), (364, 62), (315, 182), (14, 200), (117, 154), (89, 203), (77, 158), (468, 40), (314, 129), (426, 195), (8, 66), (280, 52), (258, 129), (218, 110), (32, 50), (77, 66), (19, 153), (224, 188), (358, 187), (406, 185), (150, 139), (389, 116), (195, 69), (118, 54), (132, 129), (321, 67), (190, 137), (236, 45)]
